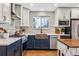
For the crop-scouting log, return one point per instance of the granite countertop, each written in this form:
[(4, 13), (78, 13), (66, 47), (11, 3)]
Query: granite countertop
[(6, 42), (72, 43)]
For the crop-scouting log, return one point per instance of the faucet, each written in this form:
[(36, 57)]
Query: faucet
[(41, 31)]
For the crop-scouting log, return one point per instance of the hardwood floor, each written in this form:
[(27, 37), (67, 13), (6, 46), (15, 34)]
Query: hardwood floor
[(40, 53)]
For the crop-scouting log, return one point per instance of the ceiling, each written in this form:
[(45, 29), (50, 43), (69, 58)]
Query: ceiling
[(48, 6)]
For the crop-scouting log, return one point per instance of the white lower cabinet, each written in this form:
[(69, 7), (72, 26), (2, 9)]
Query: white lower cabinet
[(62, 47), (67, 51), (73, 51)]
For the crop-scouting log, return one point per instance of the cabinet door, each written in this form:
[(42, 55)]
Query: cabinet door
[(14, 49), (10, 50), (3, 51), (25, 17), (17, 51), (1, 15), (7, 12), (41, 44), (62, 47), (64, 14), (37, 44), (45, 44), (18, 48), (75, 13), (30, 42)]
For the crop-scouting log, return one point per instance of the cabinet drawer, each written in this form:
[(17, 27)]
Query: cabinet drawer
[(30, 42), (31, 36)]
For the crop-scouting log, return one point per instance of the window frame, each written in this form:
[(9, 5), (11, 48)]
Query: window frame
[(42, 27)]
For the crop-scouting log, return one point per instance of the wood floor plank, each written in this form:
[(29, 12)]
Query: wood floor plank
[(39, 53)]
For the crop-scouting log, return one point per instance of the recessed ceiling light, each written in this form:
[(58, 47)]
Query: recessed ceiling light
[(31, 4), (7, 4), (42, 9), (77, 5), (55, 5)]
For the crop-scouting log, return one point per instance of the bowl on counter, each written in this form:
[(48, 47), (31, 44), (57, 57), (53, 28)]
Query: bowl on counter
[(5, 35)]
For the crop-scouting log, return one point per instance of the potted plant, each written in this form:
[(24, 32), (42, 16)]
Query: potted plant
[(62, 31)]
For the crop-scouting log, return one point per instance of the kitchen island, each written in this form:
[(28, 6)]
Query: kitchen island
[(11, 47), (68, 47), (50, 43)]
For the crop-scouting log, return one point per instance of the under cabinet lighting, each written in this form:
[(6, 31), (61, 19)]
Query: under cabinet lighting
[(42, 9), (55, 5), (77, 5), (32, 5)]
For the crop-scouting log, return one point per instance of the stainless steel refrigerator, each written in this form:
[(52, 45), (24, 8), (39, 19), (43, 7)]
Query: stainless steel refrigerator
[(75, 28)]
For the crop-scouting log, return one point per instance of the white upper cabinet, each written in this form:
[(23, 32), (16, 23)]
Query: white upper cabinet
[(64, 14), (5, 12), (75, 13), (1, 14), (20, 15), (61, 14), (16, 15), (25, 17)]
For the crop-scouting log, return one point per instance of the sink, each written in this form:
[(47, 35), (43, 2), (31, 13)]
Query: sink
[(41, 36)]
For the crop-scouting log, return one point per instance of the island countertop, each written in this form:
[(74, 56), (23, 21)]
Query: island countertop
[(8, 41), (72, 43)]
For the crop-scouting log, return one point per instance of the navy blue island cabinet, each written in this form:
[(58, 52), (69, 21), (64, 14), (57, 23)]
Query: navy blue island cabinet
[(42, 43), (33, 43), (30, 42), (14, 49)]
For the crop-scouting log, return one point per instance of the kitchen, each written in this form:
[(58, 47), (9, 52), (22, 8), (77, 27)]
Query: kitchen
[(25, 28)]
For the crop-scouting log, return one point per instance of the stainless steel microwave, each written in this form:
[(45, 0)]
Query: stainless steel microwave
[(63, 22)]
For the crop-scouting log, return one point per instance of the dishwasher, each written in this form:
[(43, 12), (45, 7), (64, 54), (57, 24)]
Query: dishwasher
[(53, 41)]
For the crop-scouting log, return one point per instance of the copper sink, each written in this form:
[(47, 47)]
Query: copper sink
[(41, 36)]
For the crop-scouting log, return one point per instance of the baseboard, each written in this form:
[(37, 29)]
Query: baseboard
[(40, 49)]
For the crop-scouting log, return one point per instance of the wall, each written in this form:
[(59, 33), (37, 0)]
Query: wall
[(38, 13)]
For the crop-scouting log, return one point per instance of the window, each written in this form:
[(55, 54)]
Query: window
[(40, 22)]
